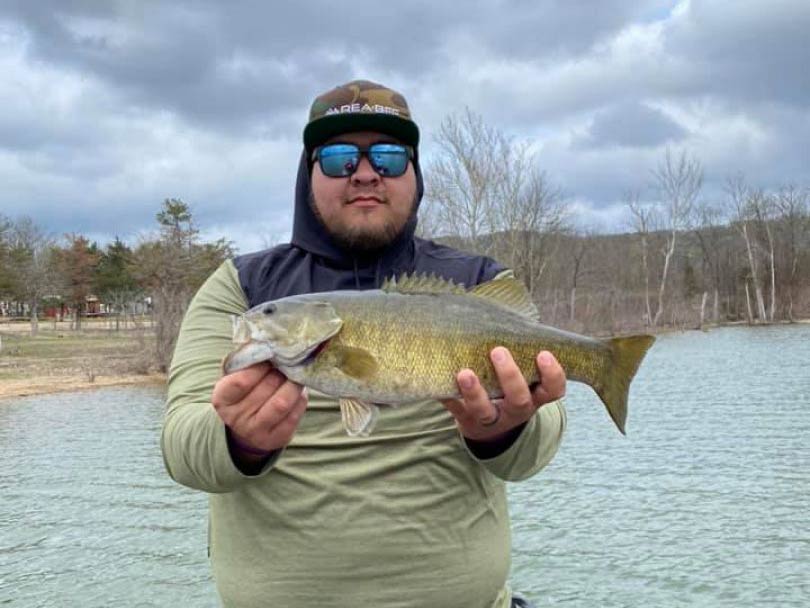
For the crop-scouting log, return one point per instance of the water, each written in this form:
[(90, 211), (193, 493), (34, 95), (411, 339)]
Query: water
[(706, 502), (88, 516)]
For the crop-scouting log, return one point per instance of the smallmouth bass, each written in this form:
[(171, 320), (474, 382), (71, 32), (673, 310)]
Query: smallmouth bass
[(406, 342)]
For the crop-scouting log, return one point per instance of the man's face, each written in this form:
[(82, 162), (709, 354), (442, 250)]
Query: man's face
[(364, 211)]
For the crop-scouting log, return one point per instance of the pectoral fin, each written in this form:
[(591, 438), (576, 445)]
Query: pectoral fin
[(356, 362), (358, 417)]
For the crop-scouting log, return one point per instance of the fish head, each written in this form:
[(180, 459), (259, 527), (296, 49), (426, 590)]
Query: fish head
[(290, 329)]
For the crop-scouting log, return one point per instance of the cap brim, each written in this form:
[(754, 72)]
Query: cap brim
[(322, 129)]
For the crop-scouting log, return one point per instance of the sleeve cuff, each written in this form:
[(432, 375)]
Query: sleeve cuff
[(532, 449)]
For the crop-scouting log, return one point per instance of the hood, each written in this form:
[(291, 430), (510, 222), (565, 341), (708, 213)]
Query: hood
[(309, 234)]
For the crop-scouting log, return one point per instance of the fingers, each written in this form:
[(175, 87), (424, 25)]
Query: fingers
[(234, 387), (516, 394), (278, 405), (260, 406), (481, 418), (476, 415), (478, 409), (552, 379), (282, 433), (272, 425)]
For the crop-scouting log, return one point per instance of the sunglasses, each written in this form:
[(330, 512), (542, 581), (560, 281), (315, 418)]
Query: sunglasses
[(342, 160)]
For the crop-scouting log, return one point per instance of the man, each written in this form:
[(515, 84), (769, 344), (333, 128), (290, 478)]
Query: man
[(300, 513)]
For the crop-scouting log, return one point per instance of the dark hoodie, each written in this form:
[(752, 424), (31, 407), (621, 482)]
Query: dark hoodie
[(313, 262)]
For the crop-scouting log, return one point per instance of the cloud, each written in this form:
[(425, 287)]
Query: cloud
[(110, 107), (632, 124)]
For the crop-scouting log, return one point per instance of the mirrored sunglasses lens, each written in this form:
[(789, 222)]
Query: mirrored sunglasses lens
[(388, 160), (339, 160)]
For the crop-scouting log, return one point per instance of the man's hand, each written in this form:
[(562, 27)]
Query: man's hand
[(260, 407), (482, 419)]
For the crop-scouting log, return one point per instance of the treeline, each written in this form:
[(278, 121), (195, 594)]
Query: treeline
[(161, 273), (684, 260)]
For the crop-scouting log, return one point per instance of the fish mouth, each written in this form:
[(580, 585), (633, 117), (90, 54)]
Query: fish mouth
[(315, 352)]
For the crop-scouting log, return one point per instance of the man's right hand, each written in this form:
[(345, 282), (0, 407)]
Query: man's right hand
[(260, 407)]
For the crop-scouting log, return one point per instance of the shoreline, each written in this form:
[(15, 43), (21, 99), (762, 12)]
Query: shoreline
[(48, 385), (37, 383)]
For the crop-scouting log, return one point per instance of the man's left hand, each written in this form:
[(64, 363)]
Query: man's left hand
[(483, 419)]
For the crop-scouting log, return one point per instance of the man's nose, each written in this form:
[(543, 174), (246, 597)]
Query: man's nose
[(365, 173)]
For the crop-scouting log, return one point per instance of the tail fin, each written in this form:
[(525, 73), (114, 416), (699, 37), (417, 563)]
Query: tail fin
[(626, 356)]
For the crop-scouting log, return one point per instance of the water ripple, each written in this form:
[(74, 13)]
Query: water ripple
[(702, 504)]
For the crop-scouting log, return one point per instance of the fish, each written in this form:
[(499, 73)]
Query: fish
[(406, 341)]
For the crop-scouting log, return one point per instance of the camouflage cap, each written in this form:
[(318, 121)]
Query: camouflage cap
[(359, 105)]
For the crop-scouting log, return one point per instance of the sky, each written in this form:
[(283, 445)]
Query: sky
[(110, 107)]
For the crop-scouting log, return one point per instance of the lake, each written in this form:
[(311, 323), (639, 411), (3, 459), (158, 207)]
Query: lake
[(705, 502)]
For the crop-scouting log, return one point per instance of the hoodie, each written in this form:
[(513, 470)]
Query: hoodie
[(313, 262)]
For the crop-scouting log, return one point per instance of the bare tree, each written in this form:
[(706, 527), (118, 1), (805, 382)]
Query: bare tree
[(763, 208), (6, 277), (528, 218), (582, 246), (679, 182), (464, 177), (487, 189), (793, 206), (708, 228), (739, 203), (643, 221), (32, 266)]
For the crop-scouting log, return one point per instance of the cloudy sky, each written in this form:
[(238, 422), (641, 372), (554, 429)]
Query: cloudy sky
[(108, 107)]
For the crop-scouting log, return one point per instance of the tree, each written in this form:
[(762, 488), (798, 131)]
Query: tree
[(114, 282), (5, 262), (30, 272), (679, 182), (709, 230), (763, 209), (793, 207), (529, 218), (643, 219), (487, 191), (582, 245), (739, 202), (464, 178), (171, 268), (77, 263)]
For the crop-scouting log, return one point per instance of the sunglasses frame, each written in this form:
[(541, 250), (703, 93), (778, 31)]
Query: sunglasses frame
[(362, 151)]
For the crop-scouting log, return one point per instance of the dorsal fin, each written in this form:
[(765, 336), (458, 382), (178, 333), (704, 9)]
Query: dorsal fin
[(509, 292), (421, 283)]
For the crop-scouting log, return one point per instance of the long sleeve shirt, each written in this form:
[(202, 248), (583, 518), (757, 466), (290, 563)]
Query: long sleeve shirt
[(406, 517)]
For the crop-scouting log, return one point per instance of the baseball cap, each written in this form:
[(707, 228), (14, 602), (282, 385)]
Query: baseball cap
[(359, 105)]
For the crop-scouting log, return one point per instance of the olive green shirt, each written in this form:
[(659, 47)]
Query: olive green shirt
[(407, 517)]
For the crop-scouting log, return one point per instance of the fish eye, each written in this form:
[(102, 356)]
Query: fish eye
[(269, 309)]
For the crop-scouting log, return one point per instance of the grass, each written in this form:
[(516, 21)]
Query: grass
[(60, 351)]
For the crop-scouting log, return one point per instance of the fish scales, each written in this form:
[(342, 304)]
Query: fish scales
[(421, 342)]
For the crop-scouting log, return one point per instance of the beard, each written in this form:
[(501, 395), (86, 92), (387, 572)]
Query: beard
[(363, 240)]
